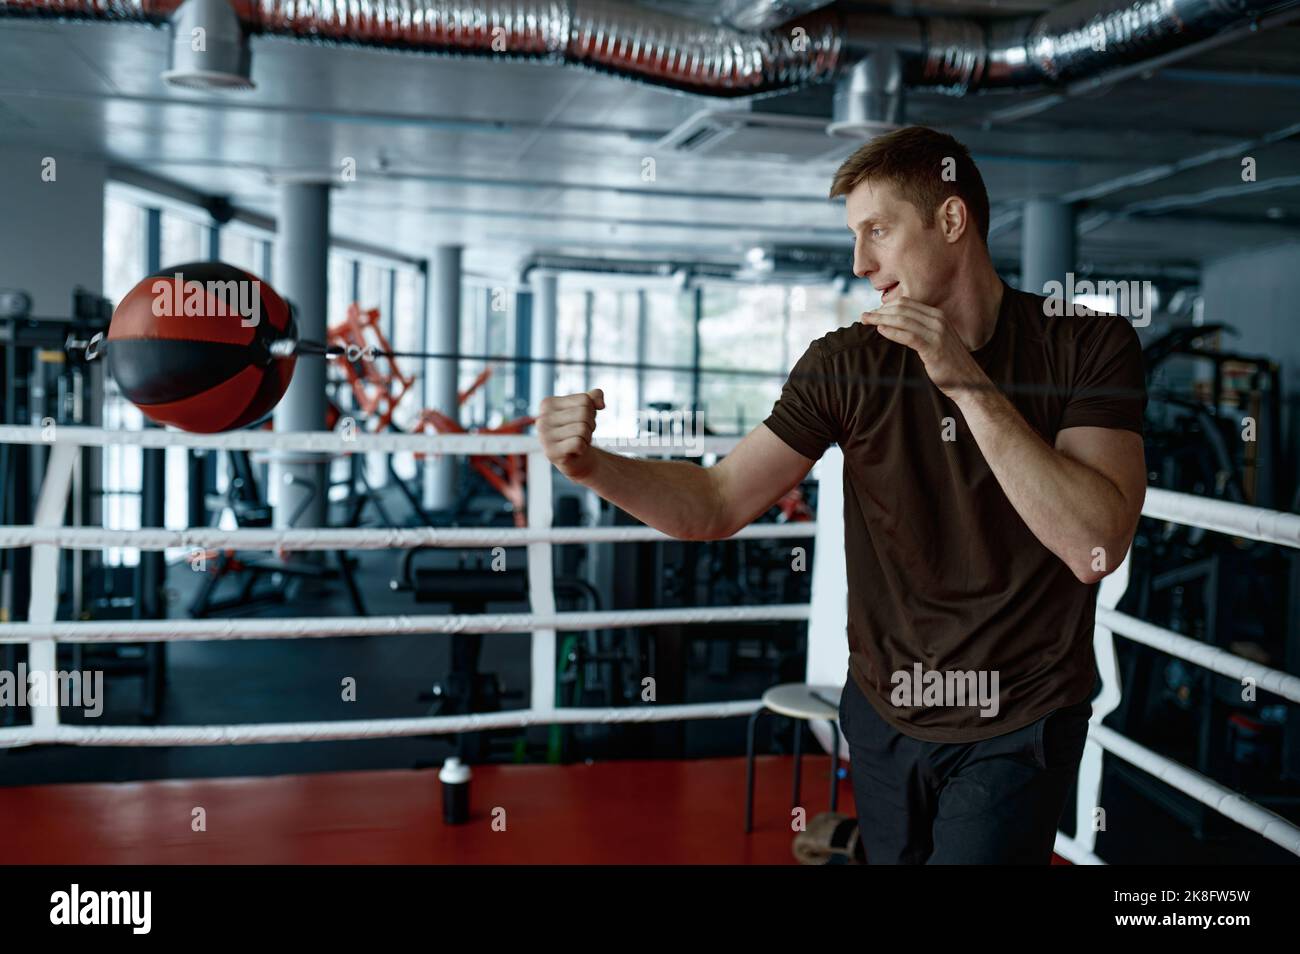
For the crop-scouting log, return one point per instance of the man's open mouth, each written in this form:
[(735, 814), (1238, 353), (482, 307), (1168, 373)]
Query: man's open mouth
[(886, 289)]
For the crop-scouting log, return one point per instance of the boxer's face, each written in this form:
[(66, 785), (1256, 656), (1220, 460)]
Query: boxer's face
[(893, 248)]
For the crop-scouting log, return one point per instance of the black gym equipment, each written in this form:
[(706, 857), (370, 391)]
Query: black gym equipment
[(46, 377), (1213, 588), (467, 587), (243, 498)]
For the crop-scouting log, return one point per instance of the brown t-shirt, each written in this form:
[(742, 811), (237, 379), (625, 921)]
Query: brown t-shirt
[(942, 571)]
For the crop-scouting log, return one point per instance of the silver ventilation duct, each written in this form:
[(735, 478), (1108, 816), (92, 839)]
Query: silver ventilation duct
[(209, 48), (869, 101), (604, 35), (765, 14), (1082, 38)]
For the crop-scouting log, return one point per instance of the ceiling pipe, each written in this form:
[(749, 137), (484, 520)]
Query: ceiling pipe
[(602, 35), (637, 267), (957, 56), (1087, 37), (754, 15), (209, 48), (869, 100)]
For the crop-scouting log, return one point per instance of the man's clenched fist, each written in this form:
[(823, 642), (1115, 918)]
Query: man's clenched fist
[(565, 425)]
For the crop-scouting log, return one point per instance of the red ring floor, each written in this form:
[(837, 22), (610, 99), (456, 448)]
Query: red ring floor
[(618, 812)]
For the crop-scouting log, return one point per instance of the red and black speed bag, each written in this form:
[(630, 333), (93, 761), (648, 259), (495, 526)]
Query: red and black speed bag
[(191, 347)]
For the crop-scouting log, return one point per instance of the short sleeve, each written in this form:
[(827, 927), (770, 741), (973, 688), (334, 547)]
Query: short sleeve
[(1109, 386), (804, 415)]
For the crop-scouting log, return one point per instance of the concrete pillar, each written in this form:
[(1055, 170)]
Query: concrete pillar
[(1047, 244), (545, 321), (302, 258), (443, 337)]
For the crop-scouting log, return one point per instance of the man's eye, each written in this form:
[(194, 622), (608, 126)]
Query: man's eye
[(876, 233)]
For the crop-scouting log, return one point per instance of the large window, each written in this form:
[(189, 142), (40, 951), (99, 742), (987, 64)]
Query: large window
[(487, 317), (408, 335), (616, 322), (123, 246), (499, 312), (669, 342), (473, 340), (741, 328), (598, 326), (758, 328), (124, 267), (340, 292), (184, 239), (395, 289), (749, 338), (246, 249), (572, 334), (812, 312)]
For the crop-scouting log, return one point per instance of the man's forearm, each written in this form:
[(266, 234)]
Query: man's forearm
[(1070, 507), (676, 497)]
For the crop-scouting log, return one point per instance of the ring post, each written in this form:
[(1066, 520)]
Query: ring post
[(541, 583), (44, 606)]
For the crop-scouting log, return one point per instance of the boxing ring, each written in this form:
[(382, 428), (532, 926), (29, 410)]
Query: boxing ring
[(826, 612)]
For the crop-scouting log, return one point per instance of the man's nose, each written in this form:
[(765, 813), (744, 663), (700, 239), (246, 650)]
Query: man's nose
[(864, 265)]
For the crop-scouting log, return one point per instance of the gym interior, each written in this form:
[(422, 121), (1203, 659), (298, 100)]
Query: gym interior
[(464, 208)]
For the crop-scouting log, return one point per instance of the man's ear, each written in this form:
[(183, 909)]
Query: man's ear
[(953, 218)]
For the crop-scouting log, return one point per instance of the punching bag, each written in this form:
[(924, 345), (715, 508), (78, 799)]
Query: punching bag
[(190, 346)]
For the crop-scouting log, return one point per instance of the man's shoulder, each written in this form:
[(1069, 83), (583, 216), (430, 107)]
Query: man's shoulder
[(1068, 323), (849, 340)]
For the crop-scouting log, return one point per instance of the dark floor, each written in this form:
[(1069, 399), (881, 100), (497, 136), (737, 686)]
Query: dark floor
[(300, 680)]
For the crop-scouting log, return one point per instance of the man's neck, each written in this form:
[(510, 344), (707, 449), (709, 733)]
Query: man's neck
[(973, 304)]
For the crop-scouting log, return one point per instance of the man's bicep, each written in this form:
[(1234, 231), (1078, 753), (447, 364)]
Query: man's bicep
[(756, 474), (1118, 455)]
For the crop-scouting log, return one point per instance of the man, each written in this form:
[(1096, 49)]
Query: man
[(993, 474)]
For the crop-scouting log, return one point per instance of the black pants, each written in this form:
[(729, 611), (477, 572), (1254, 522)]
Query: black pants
[(996, 801)]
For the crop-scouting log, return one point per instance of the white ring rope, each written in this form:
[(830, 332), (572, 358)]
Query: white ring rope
[(1205, 790), (1242, 520), (344, 538), (337, 442), (1210, 657), (314, 627), (42, 634), (1223, 516), (366, 728)]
